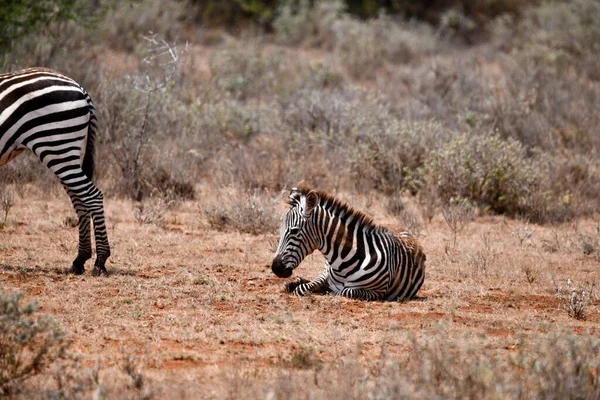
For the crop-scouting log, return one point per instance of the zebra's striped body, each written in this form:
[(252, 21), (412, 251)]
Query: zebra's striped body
[(53, 116), (363, 261)]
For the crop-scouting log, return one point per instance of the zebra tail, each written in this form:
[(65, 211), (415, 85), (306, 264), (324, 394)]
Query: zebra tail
[(88, 159)]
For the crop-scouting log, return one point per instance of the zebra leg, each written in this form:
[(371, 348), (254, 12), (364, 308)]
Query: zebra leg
[(85, 245), (87, 200), (289, 287), (102, 247), (361, 294), (303, 287), (84, 252)]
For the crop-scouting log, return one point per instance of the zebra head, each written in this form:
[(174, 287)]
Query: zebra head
[(297, 234)]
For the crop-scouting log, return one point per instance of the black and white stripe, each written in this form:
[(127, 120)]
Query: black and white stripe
[(53, 116), (363, 260)]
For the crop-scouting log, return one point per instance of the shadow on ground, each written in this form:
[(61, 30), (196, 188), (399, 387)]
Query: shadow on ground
[(62, 271)]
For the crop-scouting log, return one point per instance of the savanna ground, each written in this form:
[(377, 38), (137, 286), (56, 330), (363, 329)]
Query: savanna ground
[(198, 313), (474, 125)]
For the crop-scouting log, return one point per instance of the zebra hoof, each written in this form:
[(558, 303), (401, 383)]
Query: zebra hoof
[(99, 270), (76, 269), (291, 286)]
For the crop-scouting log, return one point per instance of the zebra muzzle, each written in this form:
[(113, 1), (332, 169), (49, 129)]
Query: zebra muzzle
[(279, 268)]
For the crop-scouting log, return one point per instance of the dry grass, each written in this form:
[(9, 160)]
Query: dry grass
[(367, 110), (199, 313)]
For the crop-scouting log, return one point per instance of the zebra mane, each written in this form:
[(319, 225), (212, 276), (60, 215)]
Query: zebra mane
[(341, 208)]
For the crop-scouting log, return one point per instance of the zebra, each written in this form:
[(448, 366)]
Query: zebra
[(363, 260), (53, 116)]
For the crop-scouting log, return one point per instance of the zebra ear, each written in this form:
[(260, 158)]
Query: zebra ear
[(294, 197), (312, 199)]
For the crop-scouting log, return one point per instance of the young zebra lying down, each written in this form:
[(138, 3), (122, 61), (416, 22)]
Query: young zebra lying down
[(364, 261)]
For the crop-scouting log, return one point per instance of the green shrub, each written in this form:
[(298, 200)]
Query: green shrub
[(29, 343), (19, 18), (229, 12), (390, 152), (500, 175), (487, 170), (293, 23)]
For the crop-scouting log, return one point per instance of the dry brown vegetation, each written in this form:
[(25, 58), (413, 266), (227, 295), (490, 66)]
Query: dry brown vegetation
[(477, 132), (192, 312)]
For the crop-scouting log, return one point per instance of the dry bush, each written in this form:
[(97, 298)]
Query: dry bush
[(576, 301), (321, 76), (247, 211), (363, 47), (143, 120), (6, 203), (484, 258), (246, 72), (74, 378), (327, 111), (301, 22), (548, 104), (544, 107), (260, 165), (362, 137), (152, 210), (457, 216), (568, 25), (264, 117), (29, 343), (359, 47), (235, 120), (523, 234)]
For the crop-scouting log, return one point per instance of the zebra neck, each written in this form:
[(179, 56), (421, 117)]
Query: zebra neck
[(339, 236)]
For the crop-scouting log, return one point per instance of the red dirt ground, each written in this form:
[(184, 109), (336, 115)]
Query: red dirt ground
[(195, 301)]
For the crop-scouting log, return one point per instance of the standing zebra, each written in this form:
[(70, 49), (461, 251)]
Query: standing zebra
[(364, 261), (53, 116)]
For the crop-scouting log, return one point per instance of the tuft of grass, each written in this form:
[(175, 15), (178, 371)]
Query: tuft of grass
[(301, 358), (200, 281), (529, 272), (152, 211)]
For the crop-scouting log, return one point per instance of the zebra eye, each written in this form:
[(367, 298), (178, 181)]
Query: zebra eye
[(294, 230)]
